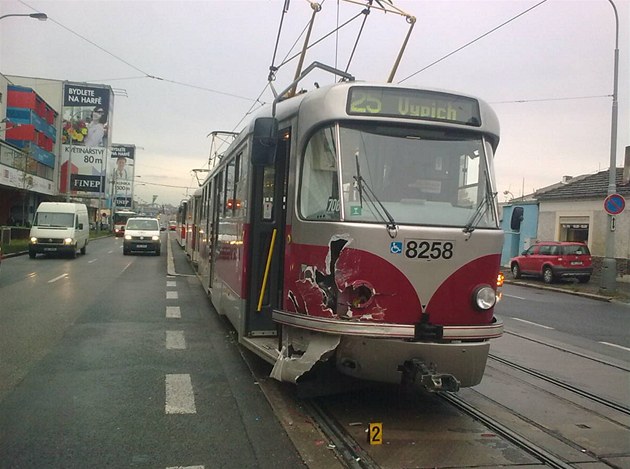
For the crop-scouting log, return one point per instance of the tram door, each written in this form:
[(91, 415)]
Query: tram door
[(267, 240)]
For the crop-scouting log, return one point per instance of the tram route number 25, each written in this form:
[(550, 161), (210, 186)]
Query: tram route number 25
[(428, 249), (375, 434)]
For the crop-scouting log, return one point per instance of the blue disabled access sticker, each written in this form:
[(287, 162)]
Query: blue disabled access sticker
[(396, 247)]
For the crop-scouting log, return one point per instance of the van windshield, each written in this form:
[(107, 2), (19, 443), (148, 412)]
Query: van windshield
[(61, 220)]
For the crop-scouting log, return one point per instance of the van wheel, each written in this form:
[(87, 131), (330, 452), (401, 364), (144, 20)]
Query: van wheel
[(74, 253), (548, 275), (157, 252), (32, 254), (83, 249)]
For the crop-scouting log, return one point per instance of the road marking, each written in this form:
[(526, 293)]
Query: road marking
[(93, 260), (57, 278), (615, 345), (180, 398), (32, 275), (173, 312), (186, 467), (175, 340), (532, 323), (513, 296), (171, 295), (171, 283), (126, 267)]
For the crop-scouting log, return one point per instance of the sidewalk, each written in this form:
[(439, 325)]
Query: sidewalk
[(590, 289)]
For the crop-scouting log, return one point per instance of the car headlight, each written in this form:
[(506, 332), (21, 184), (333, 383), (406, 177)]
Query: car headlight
[(155, 238), (68, 241), (484, 298), (33, 240), (127, 236)]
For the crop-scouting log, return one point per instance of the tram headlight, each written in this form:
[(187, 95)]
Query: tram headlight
[(484, 298)]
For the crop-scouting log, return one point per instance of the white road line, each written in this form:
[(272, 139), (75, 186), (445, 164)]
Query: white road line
[(93, 260), (126, 267), (171, 295), (57, 278), (179, 395), (173, 312), (186, 467), (175, 340), (513, 296), (615, 345), (171, 283), (532, 323)]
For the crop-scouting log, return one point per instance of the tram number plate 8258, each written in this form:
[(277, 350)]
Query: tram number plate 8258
[(428, 249)]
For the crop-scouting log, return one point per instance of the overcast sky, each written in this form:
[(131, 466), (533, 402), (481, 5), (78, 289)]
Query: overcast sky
[(548, 74)]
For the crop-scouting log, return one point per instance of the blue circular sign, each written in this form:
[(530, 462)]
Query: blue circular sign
[(614, 204)]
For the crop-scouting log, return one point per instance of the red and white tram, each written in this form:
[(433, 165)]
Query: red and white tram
[(354, 228)]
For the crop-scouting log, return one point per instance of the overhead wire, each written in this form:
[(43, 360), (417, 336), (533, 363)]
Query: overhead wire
[(473, 41)]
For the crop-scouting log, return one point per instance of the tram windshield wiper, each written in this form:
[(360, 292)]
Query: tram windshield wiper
[(363, 187), (486, 203)]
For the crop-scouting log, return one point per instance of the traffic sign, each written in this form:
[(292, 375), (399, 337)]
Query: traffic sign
[(614, 204)]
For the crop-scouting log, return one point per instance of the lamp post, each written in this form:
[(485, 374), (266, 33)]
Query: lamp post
[(609, 266), (37, 16)]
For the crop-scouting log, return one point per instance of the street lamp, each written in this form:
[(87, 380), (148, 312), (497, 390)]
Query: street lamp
[(609, 265), (37, 16)]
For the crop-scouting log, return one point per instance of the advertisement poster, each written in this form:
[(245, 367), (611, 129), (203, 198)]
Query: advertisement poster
[(86, 129), (121, 174)]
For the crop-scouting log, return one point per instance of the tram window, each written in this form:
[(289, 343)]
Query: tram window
[(269, 178), (240, 190), (221, 195), (319, 193), (229, 188)]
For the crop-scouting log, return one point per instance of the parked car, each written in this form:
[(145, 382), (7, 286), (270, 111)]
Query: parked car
[(552, 260), (142, 234), (172, 225)]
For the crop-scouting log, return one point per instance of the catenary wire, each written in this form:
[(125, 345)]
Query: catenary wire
[(473, 41)]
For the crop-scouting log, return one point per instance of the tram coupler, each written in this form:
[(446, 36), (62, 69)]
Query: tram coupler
[(416, 373)]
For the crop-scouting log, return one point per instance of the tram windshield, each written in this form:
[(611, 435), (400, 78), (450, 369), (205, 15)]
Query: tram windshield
[(373, 174)]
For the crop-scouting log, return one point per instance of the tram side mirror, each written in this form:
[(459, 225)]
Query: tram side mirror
[(265, 141), (517, 218)]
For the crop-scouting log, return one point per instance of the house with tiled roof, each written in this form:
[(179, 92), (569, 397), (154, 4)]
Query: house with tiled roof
[(571, 210)]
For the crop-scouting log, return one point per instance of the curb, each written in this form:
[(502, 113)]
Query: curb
[(593, 296)]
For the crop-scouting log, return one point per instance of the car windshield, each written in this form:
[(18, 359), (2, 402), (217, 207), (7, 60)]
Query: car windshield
[(142, 225), (399, 175), (53, 219)]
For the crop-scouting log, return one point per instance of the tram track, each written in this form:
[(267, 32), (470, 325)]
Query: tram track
[(570, 351), (523, 443), (581, 392)]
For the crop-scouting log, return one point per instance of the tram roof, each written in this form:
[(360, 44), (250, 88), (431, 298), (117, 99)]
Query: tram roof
[(328, 103)]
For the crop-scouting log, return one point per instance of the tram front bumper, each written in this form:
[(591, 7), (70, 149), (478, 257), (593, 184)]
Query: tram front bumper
[(388, 360)]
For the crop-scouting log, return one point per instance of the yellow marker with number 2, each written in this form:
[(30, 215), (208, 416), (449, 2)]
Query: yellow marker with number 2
[(375, 434)]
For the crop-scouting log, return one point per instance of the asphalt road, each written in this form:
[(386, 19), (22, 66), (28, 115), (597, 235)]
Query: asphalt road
[(106, 361)]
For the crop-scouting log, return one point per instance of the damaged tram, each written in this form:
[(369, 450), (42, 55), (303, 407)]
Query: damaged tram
[(353, 231)]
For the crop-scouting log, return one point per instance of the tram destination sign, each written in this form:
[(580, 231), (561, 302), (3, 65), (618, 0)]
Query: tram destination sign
[(413, 104)]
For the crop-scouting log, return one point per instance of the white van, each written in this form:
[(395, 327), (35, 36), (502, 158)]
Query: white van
[(59, 227)]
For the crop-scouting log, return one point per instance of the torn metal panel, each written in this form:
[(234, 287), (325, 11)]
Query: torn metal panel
[(319, 348)]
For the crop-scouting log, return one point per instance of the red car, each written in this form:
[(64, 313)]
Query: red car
[(552, 260), (172, 225)]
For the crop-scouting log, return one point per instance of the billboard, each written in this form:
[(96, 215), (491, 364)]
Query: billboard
[(121, 175), (87, 117)]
